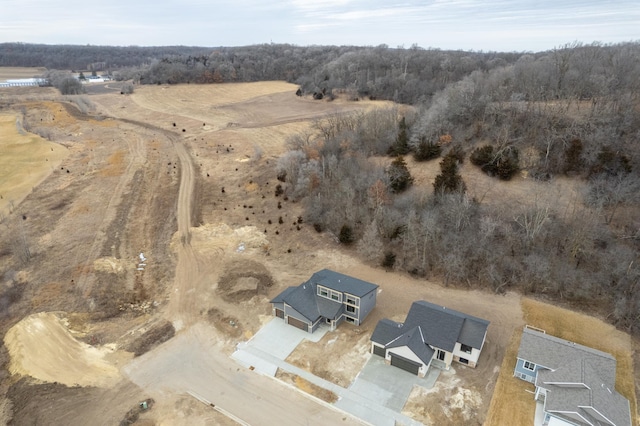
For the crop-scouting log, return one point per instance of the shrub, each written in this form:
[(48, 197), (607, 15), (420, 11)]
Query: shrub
[(504, 163), (346, 235), (127, 89), (70, 86), (610, 163), (457, 152), (389, 260), (483, 158), (426, 151)]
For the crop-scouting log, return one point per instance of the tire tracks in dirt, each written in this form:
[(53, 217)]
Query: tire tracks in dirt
[(137, 158)]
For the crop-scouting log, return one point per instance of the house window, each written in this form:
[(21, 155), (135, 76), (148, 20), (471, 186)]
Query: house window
[(335, 296), (440, 355), (464, 361), (351, 309), (351, 300), (323, 292), (466, 349), (351, 320), (529, 365)]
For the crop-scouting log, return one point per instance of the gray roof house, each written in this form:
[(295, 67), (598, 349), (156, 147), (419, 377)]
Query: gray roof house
[(431, 335), (328, 297), (575, 384)]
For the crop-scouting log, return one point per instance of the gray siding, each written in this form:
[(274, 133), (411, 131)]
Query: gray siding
[(367, 303)]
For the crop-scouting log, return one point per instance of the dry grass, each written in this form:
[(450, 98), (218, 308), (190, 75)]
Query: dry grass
[(511, 404), (306, 386), (115, 164), (26, 160), (12, 73)]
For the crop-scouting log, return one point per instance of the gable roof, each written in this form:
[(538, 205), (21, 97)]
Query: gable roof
[(444, 327), (414, 340), (385, 331), (440, 327), (342, 283), (552, 352), (569, 363), (305, 300)]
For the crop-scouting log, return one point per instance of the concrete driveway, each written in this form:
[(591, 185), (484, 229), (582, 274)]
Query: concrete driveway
[(276, 339), (389, 386)]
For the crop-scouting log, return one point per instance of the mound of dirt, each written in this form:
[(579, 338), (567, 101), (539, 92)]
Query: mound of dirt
[(41, 346), (243, 279), (155, 335)]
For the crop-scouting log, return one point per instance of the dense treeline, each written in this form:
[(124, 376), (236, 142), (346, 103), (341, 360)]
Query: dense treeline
[(573, 111), (100, 58), (403, 75)]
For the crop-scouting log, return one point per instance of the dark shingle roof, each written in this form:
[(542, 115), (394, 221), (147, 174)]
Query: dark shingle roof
[(283, 295), (444, 327), (340, 282), (385, 331), (428, 325), (305, 300)]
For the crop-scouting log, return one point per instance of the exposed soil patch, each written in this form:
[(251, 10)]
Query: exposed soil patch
[(450, 401), (244, 279), (306, 386), (42, 346), (226, 324), (155, 335), (35, 403), (133, 415), (349, 347)]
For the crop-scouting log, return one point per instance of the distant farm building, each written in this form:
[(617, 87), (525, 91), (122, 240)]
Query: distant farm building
[(25, 82)]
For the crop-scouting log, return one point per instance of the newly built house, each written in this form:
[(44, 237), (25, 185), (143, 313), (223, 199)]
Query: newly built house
[(328, 297), (575, 384), (431, 335)]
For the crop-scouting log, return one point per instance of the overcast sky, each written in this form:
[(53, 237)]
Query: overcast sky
[(501, 25)]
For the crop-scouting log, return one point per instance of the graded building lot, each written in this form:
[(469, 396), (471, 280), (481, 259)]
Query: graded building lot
[(198, 203)]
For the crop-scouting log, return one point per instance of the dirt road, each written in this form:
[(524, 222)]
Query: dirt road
[(192, 363)]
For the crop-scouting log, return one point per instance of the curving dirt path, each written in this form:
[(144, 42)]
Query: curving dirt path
[(182, 303)]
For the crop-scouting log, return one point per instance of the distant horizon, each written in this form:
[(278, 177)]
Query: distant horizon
[(466, 25), (570, 43)]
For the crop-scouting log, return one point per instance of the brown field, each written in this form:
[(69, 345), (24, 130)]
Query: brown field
[(25, 161), (185, 174), (10, 73), (513, 401)]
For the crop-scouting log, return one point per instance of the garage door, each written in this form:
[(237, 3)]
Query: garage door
[(297, 323), (405, 364), (279, 313), (378, 350)]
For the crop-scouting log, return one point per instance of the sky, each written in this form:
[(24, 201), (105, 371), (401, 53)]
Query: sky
[(480, 25)]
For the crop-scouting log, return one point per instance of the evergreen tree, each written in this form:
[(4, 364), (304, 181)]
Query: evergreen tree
[(399, 177), (449, 180), (401, 145)]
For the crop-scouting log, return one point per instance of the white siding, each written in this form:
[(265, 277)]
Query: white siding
[(472, 357)]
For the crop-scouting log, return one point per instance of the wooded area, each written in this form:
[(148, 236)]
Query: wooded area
[(573, 111)]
